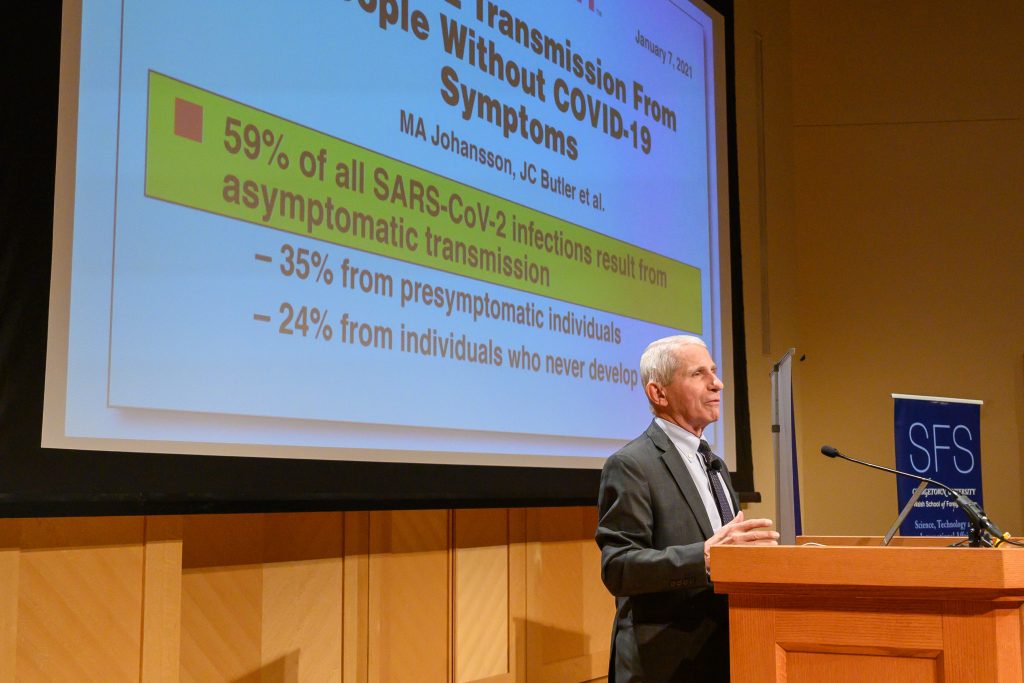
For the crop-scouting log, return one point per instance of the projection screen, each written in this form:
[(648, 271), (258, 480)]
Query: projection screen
[(406, 230)]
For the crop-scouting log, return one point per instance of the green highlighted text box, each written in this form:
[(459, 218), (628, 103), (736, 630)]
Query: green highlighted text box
[(242, 156)]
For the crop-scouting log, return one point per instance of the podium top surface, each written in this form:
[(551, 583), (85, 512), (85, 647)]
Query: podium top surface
[(877, 571)]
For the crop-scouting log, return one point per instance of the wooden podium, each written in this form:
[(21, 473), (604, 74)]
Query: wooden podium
[(839, 614)]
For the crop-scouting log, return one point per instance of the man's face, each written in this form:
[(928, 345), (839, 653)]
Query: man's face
[(692, 400)]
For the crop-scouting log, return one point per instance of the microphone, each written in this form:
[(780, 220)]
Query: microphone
[(830, 451), (979, 521), (714, 464)]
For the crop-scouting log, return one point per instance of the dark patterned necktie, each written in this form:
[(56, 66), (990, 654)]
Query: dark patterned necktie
[(717, 485)]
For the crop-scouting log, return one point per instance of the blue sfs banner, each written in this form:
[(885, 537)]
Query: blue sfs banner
[(939, 439)]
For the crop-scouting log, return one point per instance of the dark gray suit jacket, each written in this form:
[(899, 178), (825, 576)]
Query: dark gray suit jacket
[(669, 625)]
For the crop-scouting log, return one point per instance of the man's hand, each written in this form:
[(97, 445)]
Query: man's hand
[(741, 532)]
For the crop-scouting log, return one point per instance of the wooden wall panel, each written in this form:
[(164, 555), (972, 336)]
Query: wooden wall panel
[(409, 596), (481, 583), (517, 593), (80, 600), (10, 556), (597, 603), (302, 598), (453, 596), (356, 598), (221, 599), (568, 620), (161, 610)]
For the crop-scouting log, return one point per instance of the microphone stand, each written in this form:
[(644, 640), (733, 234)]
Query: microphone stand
[(978, 522)]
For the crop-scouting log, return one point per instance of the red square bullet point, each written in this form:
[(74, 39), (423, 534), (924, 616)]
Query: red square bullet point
[(188, 119)]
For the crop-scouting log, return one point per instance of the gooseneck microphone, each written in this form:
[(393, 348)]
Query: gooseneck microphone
[(977, 518)]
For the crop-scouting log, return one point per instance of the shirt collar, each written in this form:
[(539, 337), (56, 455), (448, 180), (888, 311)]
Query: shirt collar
[(679, 437)]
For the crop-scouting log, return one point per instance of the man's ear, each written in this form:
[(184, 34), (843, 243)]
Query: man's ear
[(656, 394)]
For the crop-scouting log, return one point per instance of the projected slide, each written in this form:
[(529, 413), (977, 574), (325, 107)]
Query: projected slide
[(409, 226)]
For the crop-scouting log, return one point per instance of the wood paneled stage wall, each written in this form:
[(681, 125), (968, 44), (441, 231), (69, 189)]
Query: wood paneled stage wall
[(454, 596)]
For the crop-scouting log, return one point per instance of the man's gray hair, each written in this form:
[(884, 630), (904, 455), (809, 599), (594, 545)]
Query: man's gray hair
[(658, 363)]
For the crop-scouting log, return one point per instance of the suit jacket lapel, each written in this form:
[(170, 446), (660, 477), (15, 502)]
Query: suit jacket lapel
[(674, 461)]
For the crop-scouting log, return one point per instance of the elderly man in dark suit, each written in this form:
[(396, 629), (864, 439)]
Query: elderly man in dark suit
[(665, 500)]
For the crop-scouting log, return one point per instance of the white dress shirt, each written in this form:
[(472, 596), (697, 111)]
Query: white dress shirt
[(687, 444)]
